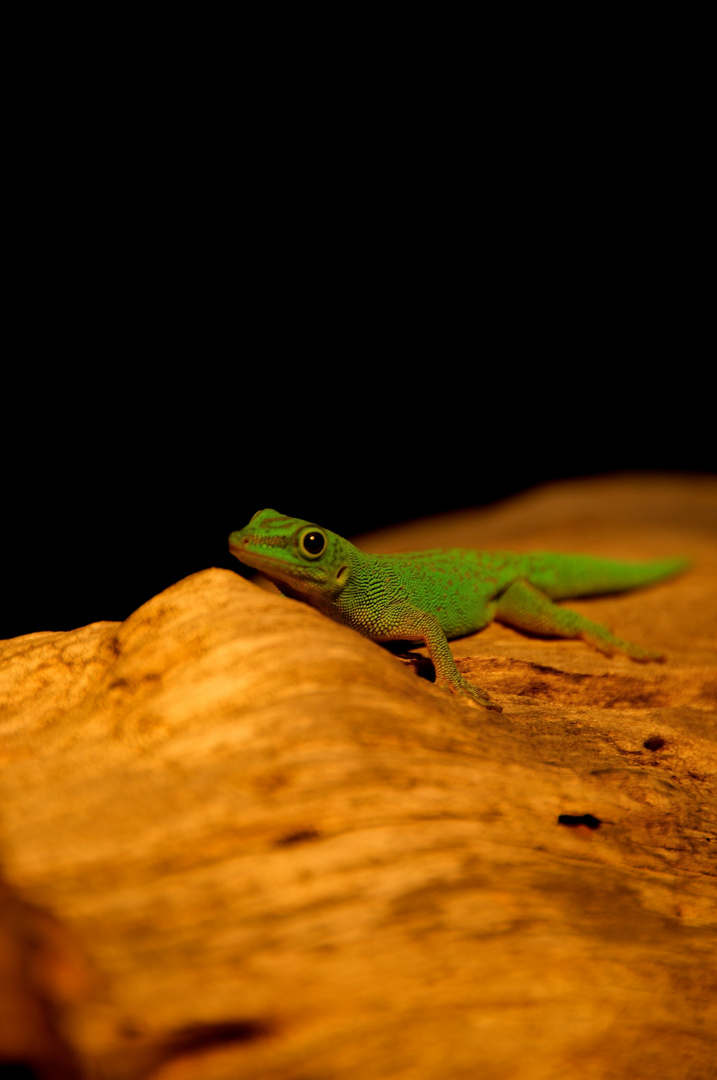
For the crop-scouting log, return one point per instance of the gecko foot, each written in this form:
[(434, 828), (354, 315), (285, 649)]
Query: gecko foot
[(459, 685), (613, 646)]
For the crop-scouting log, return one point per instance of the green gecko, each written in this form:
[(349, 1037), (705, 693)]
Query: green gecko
[(431, 596)]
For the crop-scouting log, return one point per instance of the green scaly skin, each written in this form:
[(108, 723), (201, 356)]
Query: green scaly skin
[(431, 596)]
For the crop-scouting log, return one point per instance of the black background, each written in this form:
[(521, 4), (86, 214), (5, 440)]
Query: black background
[(353, 324)]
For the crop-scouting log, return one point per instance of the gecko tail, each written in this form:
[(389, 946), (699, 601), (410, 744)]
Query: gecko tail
[(582, 575)]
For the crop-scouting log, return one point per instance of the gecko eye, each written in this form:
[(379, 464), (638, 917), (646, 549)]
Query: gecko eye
[(313, 543)]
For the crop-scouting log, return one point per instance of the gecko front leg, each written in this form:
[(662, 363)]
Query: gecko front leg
[(419, 626)]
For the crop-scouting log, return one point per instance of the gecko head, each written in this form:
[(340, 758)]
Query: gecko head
[(311, 560)]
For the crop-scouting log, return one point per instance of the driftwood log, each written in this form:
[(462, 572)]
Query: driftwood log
[(239, 841)]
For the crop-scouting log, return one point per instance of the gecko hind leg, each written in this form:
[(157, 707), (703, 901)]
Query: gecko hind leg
[(526, 608)]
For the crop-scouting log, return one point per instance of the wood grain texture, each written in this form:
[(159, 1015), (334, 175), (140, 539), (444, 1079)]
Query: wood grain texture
[(275, 851)]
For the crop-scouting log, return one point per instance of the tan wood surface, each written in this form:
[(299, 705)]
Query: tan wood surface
[(238, 840)]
